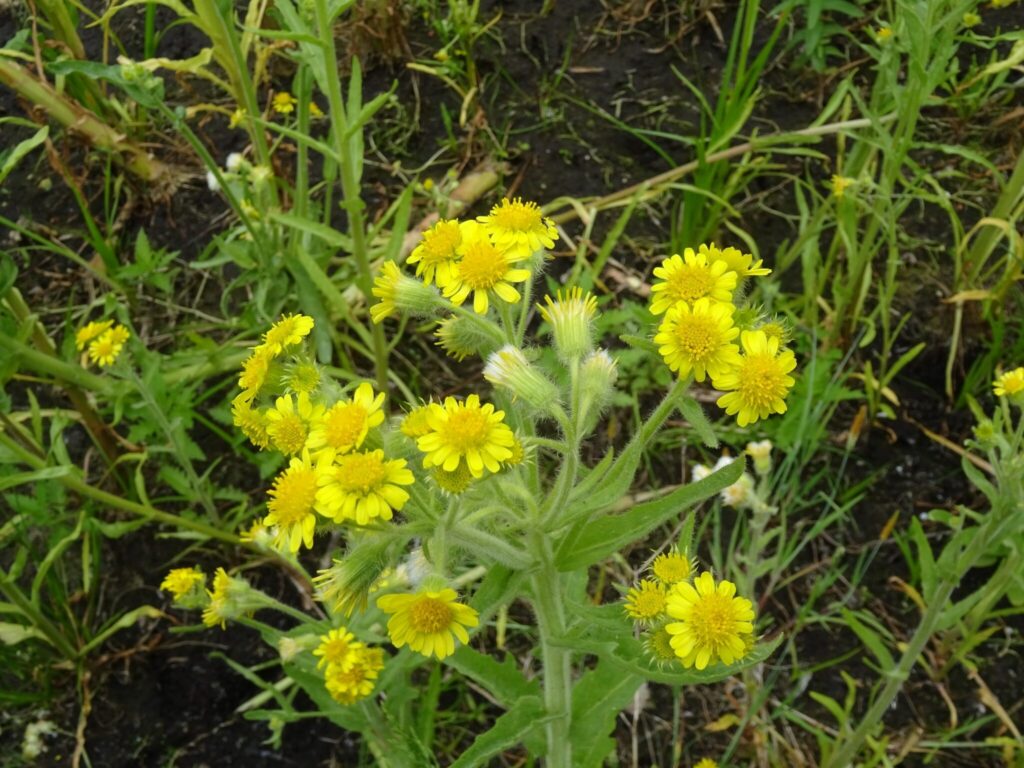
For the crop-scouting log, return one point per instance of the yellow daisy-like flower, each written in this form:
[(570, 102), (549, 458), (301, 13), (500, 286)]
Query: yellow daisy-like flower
[(658, 645), (251, 421), (357, 682), (706, 762), (437, 252), (743, 264), (466, 432), (181, 581), (304, 376), (428, 621), (384, 288), (236, 118), (646, 601), (698, 339), (484, 268), (518, 453), (672, 567), (1009, 384), (713, 624), (690, 277), (363, 486), (215, 613), (415, 423), (289, 422), (840, 184), (338, 647), (455, 482), (293, 500), (286, 332), (105, 350), (284, 103), (971, 19), (520, 226), (344, 425), (314, 110), (760, 382), (91, 331), (254, 373)]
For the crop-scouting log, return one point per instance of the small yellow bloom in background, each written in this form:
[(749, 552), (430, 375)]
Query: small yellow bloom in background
[(286, 332), (315, 111), (338, 647), (436, 253), (761, 453), (840, 184), (303, 376), (181, 581), (1010, 383), (1002, 3), (284, 103), (971, 19), (415, 423), (237, 117), (466, 432), (428, 185), (690, 277), (91, 331), (570, 317), (254, 373), (384, 288), (485, 268), (699, 339), (884, 34), (345, 425), (646, 601), (363, 487), (357, 682), (672, 567), (658, 644), (761, 381), (518, 454), (713, 624), (428, 621), (290, 422), (399, 293), (743, 264), (706, 762), (455, 482), (106, 348), (520, 226), (292, 504), (217, 611)]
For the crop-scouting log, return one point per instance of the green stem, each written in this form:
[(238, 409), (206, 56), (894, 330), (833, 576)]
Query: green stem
[(47, 364), (39, 621), (488, 547)]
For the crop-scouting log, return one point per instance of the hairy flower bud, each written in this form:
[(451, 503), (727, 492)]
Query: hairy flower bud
[(570, 319), (509, 368)]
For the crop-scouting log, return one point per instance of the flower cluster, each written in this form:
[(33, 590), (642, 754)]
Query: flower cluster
[(710, 623), (104, 338), (698, 335), (351, 666)]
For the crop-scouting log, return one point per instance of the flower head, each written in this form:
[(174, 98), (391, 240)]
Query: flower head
[(289, 422), (690, 277), (363, 486), (286, 332), (303, 376), (699, 338), (284, 103), (706, 762), (415, 423), (455, 482), (180, 581), (345, 425), (428, 621), (292, 504), (338, 647), (840, 184), (485, 269), (570, 317), (508, 368), (236, 118), (759, 383), (460, 337), (347, 686), (743, 264), (658, 645), (251, 421), (713, 624), (673, 567), (521, 226), (761, 453), (971, 19), (1009, 384), (466, 432), (437, 252), (90, 331), (254, 373), (646, 601), (104, 350), (400, 293)]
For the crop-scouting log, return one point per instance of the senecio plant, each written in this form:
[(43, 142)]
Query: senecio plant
[(445, 515)]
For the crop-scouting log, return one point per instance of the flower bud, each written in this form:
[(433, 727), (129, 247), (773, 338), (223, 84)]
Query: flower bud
[(460, 337), (509, 368), (761, 453), (570, 319), (597, 383), (400, 293)]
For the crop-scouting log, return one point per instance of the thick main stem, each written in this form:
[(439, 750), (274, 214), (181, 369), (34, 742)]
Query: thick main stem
[(556, 658)]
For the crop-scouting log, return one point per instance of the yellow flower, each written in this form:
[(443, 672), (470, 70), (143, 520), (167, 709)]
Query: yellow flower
[(290, 422), (658, 644), (520, 226), (742, 264), (690, 277), (455, 482), (118, 334), (884, 34), (971, 19), (760, 382), (254, 373), (90, 332), (437, 251), (236, 118), (840, 184), (251, 421), (415, 422), (646, 601), (384, 287), (699, 339), (454, 336), (469, 432), (429, 621), (303, 376), (357, 682), (706, 762), (1010, 383), (181, 581), (339, 648), (344, 425), (104, 350), (284, 103), (713, 623), (484, 268), (314, 110), (293, 499), (672, 567), (363, 486), (570, 317), (1002, 3), (217, 611), (286, 332)]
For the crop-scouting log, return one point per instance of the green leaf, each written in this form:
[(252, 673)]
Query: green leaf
[(602, 537), (597, 699), (10, 158), (12, 634), (511, 728), (694, 414), (503, 680), (872, 639)]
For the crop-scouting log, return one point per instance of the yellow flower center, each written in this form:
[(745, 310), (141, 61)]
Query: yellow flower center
[(103, 348), (439, 243), (670, 569), (360, 472), (690, 283), (466, 429), (649, 602), (293, 495), (698, 336), (290, 433), (517, 215), (482, 265), (429, 615), (305, 377), (713, 620), (344, 424), (761, 381)]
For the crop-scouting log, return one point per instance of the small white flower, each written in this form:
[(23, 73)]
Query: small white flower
[(211, 181), (234, 162)]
